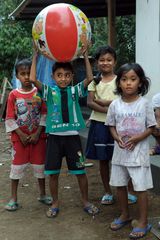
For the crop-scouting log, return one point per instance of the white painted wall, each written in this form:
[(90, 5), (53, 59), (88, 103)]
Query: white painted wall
[(148, 41)]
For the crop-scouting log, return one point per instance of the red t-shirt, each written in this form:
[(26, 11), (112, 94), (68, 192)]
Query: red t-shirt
[(25, 110)]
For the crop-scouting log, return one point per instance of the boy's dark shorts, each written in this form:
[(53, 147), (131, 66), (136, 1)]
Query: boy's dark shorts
[(64, 146), (100, 142)]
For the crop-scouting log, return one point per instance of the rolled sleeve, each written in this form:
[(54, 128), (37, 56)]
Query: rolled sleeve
[(11, 125)]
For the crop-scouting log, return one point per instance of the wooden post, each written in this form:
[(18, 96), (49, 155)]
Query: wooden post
[(6, 88), (111, 22)]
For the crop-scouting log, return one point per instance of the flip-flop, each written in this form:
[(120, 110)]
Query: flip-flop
[(47, 200), (132, 199), (12, 206), (137, 230), (52, 212), (91, 209), (107, 199), (118, 224)]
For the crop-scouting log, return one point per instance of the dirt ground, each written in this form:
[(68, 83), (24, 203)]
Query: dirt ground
[(72, 223)]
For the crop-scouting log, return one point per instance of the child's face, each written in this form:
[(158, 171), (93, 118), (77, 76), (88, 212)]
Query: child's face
[(23, 75), (129, 83), (63, 77), (106, 63)]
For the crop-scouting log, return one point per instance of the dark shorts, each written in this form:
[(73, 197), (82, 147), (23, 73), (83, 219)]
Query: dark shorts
[(100, 142), (64, 146)]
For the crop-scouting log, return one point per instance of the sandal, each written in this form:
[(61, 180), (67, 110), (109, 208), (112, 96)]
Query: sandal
[(107, 199), (52, 212), (12, 206), (132, 199), (45, 200), (91, 209), (138, 233), (118, 224)]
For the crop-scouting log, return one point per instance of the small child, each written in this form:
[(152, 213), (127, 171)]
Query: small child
[(156, 132), (131, 120), (101, 94), (25, 120), (64, 119)]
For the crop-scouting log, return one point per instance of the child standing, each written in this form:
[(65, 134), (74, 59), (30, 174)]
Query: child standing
[(64, 119), (101, 93), (25, 120), (131, 120)]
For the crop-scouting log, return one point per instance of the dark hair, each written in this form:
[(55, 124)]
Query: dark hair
[(26, 62), (64, 65), (145, 81), (102, 51)]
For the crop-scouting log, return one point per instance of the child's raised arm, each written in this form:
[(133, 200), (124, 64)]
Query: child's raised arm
[(89, 74), (32, 77)]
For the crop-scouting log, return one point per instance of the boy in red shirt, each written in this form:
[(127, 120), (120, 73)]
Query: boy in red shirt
[(25, 120)]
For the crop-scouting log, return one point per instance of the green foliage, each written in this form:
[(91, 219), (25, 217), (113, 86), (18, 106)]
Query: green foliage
[(99, 33), (125, 42), (125, 37), (15, 39)]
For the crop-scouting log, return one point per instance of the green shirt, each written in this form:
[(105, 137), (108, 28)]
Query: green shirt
[(63, 109)]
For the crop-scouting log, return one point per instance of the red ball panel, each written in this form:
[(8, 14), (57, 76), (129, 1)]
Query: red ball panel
[(61, 33)]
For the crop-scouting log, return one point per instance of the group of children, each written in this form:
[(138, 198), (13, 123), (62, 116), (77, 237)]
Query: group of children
[(119, 130)]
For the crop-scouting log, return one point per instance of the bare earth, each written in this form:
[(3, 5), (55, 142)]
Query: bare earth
[(72, 223)]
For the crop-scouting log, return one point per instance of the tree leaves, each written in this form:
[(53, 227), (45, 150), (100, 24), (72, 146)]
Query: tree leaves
[(15, 39), (125, 37), (125, 49)]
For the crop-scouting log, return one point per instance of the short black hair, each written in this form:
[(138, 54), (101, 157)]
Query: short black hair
[(26, 62), (64, 65), (104, 50), (145, 81)]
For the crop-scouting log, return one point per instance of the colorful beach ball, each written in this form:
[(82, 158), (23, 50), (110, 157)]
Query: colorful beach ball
[(60, 30)]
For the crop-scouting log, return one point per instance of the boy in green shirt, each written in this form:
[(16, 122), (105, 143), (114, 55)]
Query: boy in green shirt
[(64, 119)]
